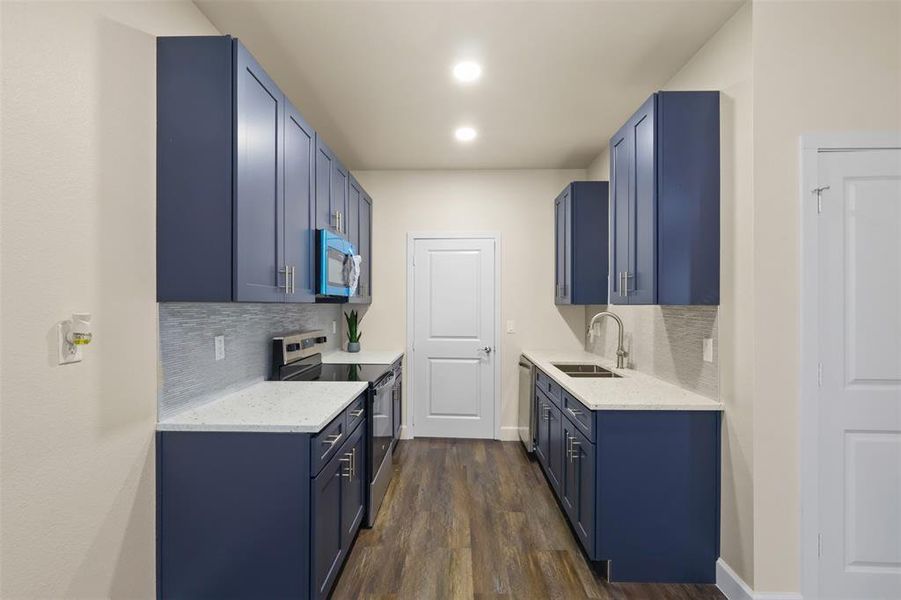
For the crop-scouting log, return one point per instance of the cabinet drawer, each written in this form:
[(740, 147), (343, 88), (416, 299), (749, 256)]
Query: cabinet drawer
[(579, 415), (549, 387), (356, 412), (324, 444)]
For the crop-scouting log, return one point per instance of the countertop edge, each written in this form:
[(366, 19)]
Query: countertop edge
[(708, 405), (168, 426)]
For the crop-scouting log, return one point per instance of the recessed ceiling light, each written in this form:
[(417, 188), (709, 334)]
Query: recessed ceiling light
[(467, 71), (465, 134)]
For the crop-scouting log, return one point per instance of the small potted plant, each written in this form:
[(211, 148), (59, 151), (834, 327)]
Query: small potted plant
[(353, 331)]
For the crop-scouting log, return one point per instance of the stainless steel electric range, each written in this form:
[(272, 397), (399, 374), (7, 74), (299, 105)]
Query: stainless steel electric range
[(297, 357)]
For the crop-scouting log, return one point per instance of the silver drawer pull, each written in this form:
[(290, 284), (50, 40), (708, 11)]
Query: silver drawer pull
[(575, 412), (333, 439), (356, 413)]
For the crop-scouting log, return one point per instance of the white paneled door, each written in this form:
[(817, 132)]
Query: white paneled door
[(453, 303), (860, 390)]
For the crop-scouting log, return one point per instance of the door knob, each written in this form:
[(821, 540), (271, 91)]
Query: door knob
[(486, 349)]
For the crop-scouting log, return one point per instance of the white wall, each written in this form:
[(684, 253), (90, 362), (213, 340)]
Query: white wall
[(724, 63), (519, 204), (818, 66), (78, 204)]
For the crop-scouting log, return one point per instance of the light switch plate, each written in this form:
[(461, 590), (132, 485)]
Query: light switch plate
[(219, 344), (708, 350), (511, 326)]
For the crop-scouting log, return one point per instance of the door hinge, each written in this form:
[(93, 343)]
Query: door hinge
[(819, 375), (819, 192)]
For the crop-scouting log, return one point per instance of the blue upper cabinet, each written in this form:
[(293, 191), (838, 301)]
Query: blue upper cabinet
[(234, 178), (581, 248), (665, 202)]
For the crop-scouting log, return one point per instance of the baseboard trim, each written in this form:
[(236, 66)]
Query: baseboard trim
[(509, 433), (734, 587), (405, 433)]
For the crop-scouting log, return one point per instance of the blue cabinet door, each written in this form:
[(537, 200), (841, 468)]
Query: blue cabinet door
[(326, 503), (325, 161), (577, 493), (365, 248), (542, 431), (354, 198), (339, 193), (300, 152), (620, 208), (559, 249), (352, 495), (259, 196), (633, 202), (555, 447), (584, 456), (569, 482), (641, 279), (566, 247)]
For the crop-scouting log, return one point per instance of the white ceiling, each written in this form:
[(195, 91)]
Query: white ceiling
[(374, 78)]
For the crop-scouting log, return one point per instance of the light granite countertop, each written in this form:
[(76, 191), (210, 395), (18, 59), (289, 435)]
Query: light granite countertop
[(632, 391), (363, 357), (271, 406)]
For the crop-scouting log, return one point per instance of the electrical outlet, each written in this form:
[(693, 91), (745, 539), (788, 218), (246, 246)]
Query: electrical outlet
[(708, 350), (219, 344), (511, 326)]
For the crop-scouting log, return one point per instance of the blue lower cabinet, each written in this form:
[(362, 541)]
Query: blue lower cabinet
[(643, 497), (245, 515)]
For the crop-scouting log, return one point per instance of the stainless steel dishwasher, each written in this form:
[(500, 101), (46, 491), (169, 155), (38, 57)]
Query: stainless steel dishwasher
[(526, 404)]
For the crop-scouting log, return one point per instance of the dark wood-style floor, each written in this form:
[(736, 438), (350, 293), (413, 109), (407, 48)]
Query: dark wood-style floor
[(476, 519)]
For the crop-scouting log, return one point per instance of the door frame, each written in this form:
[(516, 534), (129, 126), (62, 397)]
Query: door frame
[(408, 425), (811, 145)]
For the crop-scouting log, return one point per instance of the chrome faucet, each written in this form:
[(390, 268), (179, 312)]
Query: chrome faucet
[(621, 353)]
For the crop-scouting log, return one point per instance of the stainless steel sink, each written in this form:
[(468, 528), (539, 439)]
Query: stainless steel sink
[(585, 370)]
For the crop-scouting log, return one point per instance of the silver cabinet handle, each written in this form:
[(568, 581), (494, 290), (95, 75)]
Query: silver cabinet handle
[(356, 413), (626, 277), (287, 273), (347, 459), (353, 462), (292, 279), (573, 454), (569, 447), (333, 438), (575, 412), (622, 278)]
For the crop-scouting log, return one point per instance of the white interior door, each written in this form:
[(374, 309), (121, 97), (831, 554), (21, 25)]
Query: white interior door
[(453, 353), (860, 358)]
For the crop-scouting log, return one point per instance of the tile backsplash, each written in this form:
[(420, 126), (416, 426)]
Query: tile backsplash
[(188, 372), (663, 341)]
